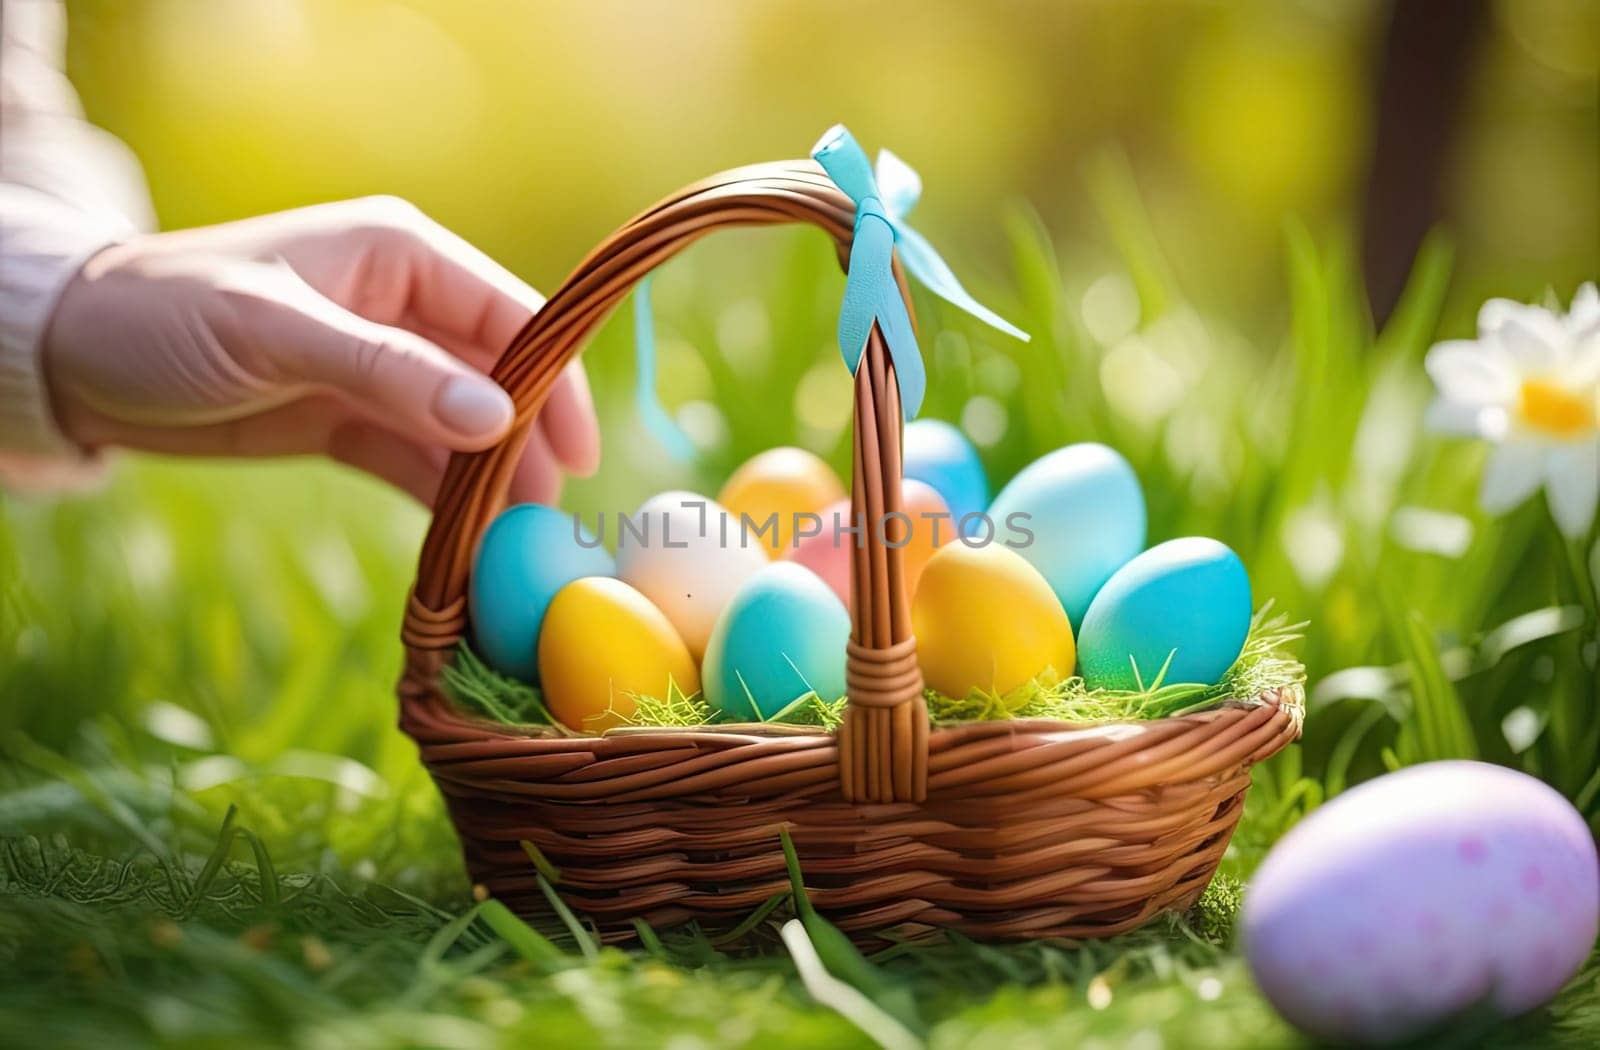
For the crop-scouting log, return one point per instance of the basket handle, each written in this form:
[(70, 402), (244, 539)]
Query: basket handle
[(883, 742)]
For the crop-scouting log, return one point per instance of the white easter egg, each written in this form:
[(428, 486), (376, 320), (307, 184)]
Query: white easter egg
[(683, 552)]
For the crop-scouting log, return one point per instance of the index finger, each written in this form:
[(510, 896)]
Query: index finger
[(451, 290), (396, 266)]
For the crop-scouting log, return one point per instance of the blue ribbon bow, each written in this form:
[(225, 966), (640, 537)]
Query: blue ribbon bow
[(871, 295)]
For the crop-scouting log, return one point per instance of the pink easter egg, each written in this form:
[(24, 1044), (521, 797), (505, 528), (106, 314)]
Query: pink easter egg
[(1421, 894), (927, 526), (828, 552)]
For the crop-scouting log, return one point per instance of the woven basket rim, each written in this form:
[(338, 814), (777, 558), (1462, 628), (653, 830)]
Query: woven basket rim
[(1290, 697)]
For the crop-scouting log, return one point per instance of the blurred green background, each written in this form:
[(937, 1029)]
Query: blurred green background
[(1170, 196), (534, 128)]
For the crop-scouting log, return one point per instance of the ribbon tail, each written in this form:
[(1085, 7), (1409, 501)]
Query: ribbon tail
[(654, 417), (927, 267), (910, 373), (869, 275), (872, 297)]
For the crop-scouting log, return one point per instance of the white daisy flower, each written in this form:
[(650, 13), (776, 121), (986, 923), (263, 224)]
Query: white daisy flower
[(1530, 383)]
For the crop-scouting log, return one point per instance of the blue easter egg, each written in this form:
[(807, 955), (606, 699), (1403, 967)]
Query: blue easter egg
[(526, 555), (937, 454), (781, 636), (1085, 512), (1188, 599)]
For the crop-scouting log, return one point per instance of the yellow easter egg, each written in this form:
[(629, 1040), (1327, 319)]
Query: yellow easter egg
[(601, 645), (985, 619), (764, 495)]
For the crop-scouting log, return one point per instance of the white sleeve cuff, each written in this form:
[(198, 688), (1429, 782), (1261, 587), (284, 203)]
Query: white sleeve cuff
[(43, 244)]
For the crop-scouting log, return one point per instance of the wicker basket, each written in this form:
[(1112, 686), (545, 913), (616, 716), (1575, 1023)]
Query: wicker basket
[(997, 829)]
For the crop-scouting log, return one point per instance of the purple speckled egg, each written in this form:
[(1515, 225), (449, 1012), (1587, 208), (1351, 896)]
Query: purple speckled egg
[(1419, 894)]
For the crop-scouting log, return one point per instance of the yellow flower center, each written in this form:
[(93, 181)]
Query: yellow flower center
[(1554, 409)]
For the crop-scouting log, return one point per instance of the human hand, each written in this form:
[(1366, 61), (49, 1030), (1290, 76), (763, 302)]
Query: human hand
[(360, 330)]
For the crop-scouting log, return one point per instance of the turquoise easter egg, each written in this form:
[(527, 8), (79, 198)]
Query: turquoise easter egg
[(1188, 599), (781, 636), (526, 555), (937, 454), (1077, 514)]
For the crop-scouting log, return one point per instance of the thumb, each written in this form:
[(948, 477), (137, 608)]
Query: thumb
[(407, 383)]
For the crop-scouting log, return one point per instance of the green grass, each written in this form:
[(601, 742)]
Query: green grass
[(1265, 663), (211, 831)]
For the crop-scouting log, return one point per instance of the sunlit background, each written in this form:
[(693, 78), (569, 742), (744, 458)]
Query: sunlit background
[(1170, 196), (533, 127)]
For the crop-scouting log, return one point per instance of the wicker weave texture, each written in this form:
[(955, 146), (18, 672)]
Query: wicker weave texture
[(1030, 829)]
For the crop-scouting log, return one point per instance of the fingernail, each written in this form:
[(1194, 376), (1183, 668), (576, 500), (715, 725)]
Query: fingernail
[(473, 407)]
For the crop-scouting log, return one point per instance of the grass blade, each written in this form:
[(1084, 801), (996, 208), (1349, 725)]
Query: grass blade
[(841, 998), (586, 942), (541, 862), (526, 941)]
